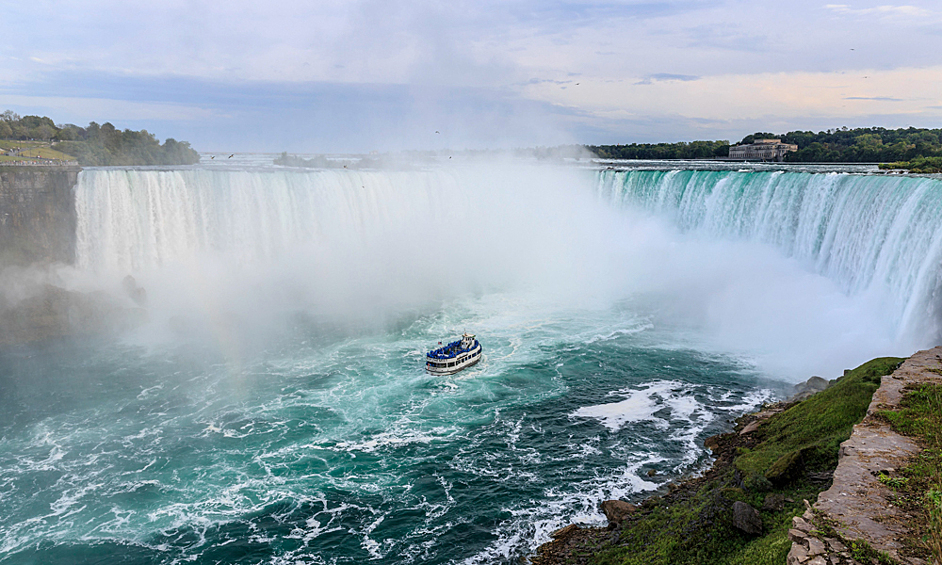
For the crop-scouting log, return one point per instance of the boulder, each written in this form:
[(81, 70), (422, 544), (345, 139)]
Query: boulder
[(712, 443), (134, 292), (746, 518), (617, 510), (564, 531), (808, 389), (786, 468)]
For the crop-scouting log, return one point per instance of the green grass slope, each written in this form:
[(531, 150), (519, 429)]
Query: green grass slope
[(772, 469)]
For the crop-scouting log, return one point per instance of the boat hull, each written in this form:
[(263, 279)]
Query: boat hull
[(475, 356)]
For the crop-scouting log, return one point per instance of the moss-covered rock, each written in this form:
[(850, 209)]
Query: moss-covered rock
[(785, 469)]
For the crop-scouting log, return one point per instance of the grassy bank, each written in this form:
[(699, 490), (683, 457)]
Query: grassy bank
[(925, 165), (918, 487), (30, 151), (789, 457)]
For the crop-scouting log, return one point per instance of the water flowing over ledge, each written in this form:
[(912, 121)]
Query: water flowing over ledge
[(871, 234)]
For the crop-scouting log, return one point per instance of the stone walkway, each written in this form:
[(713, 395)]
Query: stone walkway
[(857, 501)]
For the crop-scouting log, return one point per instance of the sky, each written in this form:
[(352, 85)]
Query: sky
[(334, 76)]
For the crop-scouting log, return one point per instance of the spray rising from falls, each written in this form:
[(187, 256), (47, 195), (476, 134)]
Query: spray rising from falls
[(621, 314), (860, 272), (340, 243), (874, 235)]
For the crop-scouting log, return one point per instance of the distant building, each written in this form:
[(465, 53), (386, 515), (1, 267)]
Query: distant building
[(762, 150)]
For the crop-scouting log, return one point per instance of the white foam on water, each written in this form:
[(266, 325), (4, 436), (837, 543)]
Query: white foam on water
[(640, 405)]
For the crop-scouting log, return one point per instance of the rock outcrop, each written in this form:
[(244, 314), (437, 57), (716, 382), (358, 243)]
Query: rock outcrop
[(51, 312), (809, 388), (616, 511), (858, 504), (37, 214), (747, 518), (810, 549)]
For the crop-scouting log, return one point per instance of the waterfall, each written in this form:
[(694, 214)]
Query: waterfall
[(877, 237), (134, 219), (871, 234)]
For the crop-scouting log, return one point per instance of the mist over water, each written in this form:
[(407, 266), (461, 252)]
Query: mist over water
[(800, 273), (274, 409)]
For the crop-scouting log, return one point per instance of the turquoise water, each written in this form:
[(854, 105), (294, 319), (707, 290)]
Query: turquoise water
[(340, 449), (274, 407)]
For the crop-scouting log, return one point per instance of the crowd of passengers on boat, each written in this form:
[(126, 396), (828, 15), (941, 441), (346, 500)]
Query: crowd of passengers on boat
[(454, 356)]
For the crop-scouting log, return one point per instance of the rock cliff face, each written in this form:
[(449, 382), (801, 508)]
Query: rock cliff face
[(37, 214), (37, 231), (858, 504)]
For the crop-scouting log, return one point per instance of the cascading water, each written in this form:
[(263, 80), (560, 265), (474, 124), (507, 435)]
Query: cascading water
[(871, 234), (275, 409)]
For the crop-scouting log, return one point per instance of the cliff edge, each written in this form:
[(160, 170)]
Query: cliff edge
[(861, 504), (37, 214)]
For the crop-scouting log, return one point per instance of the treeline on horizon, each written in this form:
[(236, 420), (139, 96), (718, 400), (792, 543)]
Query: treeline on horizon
[(98, 145), (859, 145)]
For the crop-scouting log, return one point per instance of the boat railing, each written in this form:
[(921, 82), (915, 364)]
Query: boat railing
[(448, 353)]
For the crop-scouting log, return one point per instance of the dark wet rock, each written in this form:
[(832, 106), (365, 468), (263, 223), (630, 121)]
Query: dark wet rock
[(746, 518), (37, 215), (773, 502), (134, 292), (617, 510)]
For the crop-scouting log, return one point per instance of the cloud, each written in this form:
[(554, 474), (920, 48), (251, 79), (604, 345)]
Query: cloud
[(371, 68), (301, 117), (885, 10), (876, 98), (666, 77)]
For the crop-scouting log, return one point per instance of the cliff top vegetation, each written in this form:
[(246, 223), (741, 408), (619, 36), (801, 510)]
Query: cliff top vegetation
[(38, 137), (843, 145)]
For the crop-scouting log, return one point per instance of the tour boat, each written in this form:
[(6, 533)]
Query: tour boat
[(455, 356)]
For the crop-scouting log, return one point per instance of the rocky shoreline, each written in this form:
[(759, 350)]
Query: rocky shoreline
[(574, 544), (852, 508)]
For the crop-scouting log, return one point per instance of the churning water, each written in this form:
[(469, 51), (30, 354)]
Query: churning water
[(274, 408)]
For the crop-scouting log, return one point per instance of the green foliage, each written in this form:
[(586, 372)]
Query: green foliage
[(860, 145), (682, 150), (863, 145), (893, 482), (918, 165), (98, 145), (816, 427), (863, 552), (920, 416), (697, 529)]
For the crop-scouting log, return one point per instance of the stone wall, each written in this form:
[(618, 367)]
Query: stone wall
[(37, 214)]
